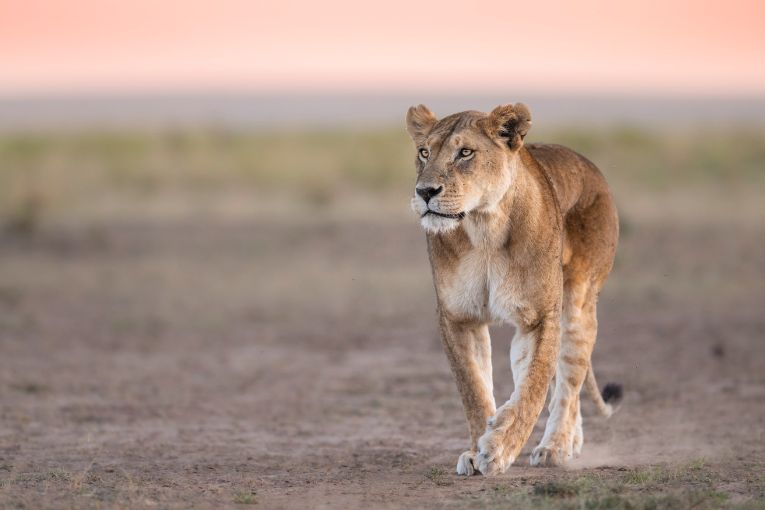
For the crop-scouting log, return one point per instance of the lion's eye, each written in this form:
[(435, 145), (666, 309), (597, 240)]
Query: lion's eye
[(466, 153), (424, 153)]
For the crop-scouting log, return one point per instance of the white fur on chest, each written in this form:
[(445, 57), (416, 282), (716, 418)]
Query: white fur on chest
[(480, 288)]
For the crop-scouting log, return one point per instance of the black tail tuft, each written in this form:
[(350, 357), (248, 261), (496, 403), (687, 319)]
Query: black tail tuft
[(612, 392)]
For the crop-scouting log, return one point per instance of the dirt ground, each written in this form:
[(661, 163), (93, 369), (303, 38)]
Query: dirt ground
[(229, 361)]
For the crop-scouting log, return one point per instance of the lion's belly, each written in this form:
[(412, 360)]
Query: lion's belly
[(480, 288)]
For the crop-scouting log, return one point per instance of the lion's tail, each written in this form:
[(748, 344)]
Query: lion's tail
[(608, 401)]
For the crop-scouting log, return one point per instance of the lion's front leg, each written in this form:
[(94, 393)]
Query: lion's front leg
[(563, 433), (468, 348), (533, 356)]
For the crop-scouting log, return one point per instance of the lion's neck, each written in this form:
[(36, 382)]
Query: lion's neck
[(516, 214), (487, 229)]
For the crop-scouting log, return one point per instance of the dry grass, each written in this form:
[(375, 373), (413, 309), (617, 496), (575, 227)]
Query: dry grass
[(45, 174)]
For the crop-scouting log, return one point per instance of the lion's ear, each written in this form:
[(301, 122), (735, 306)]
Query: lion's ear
[(510, 123), (419, 122)]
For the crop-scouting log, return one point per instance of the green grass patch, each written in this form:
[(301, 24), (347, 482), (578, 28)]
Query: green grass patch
[(438, 476), (248, 497), (561, 489), (693, 472), (695, 485)]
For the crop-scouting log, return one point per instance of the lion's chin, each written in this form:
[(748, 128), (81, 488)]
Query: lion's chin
[(438, 224), (432, 222)]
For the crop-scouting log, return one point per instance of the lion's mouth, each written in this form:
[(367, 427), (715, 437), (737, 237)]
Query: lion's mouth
[(458, 216)]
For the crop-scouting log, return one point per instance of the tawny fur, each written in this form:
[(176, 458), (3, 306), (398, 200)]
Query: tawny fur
[(528, 238)]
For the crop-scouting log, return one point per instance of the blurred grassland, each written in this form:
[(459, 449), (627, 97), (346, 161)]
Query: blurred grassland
[(43, 175)]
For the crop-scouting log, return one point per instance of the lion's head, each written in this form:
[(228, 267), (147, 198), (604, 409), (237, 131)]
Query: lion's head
[(465, 162)]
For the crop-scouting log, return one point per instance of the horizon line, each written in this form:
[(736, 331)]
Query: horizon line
[(221, 92)]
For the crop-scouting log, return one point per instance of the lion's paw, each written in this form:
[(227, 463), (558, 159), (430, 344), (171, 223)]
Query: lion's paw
[(549, 456), (493, 458), (489, 465), (466, 464)]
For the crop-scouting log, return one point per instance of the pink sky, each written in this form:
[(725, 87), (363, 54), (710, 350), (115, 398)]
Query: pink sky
[(338, 45)]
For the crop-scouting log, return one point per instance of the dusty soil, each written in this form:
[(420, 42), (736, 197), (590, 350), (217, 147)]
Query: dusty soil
[(222, 362)]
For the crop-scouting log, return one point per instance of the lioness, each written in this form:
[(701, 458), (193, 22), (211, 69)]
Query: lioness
[(516, 233)]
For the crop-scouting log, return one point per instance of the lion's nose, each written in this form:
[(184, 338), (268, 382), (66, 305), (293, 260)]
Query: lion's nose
[(428, 193)]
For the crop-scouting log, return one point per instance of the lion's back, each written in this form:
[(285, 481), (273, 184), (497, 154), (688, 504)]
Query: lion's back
[(575, 179)]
